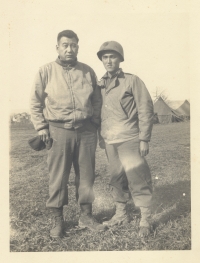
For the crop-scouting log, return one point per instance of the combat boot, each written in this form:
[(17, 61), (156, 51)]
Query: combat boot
[(86, 219), (120, 217), (145, 222), (58, 224)]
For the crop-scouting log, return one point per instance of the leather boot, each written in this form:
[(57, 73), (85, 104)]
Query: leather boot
[(120, 216), (86, 219), (145, 225), (58, 224)]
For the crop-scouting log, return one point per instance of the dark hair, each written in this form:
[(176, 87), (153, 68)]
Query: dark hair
[(67, 33)]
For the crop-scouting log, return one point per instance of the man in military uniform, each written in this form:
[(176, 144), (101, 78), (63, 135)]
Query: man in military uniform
[(126, 125), (65, 106)]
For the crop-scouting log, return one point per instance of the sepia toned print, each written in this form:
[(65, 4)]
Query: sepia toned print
[(62, 197)]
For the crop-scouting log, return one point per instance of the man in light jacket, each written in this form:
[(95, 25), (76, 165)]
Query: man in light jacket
[(65, 106), (126, 125)]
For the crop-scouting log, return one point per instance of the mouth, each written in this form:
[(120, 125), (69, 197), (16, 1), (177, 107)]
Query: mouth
[(69, 57)]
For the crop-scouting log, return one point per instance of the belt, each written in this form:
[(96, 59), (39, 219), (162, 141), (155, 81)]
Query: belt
[(68, 126)]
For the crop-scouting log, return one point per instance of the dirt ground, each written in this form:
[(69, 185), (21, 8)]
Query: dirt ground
[(169, 161)]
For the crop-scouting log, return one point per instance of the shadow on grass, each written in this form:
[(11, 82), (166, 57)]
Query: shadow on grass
[(170, 202)]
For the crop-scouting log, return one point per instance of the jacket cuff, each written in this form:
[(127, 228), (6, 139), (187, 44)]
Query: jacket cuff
[(44, 127), (144, 137)]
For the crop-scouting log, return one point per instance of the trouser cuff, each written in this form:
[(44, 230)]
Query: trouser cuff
[(86, 208), (145, 216), (56, 211), (119, 195)]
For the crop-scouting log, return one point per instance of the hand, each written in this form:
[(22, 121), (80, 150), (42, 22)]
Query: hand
[(102, 144), (94, 124), (44, 135), (144, 148)]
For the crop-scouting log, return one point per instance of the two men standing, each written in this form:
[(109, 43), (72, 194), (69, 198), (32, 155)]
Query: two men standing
[(66, 105)]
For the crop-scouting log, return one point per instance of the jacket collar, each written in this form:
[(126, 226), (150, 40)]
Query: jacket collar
[(114, 80), (66, 64)]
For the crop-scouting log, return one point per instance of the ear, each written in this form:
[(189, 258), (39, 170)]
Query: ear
[(57, 47)]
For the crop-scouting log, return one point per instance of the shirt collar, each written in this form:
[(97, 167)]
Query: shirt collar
[(117, 74)]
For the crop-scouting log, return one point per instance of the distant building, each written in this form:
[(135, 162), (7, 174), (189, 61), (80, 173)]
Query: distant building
[(21, 118)]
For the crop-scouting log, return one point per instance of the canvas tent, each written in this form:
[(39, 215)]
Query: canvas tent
[(164, 114), (184, 109), (175, 104)]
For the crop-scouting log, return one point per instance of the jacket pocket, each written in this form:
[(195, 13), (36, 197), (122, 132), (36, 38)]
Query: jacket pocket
[(123, 109), (85, 97), (128, 106), (50, 97), (51, 100)]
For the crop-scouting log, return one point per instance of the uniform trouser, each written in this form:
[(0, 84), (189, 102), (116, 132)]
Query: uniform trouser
[(69, 147), (124, 158)]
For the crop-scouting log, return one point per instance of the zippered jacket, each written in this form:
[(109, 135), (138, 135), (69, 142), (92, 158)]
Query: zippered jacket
[(127, 110), (65, 94)]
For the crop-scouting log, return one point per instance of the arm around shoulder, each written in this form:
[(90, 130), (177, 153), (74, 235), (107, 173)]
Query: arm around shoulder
[(96, 101)]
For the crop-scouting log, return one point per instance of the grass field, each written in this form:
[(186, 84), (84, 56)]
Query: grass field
[(169, 161)]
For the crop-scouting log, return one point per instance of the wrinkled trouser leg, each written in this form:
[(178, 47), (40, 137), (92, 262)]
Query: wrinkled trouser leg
[(126, 156), (118, 180), (84, 163), (77, 147), (59, 160), (137, 172)]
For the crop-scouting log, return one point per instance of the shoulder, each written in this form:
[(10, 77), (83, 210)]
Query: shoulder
[(47, 66), (85, 67), (129, 75), (132, 77)]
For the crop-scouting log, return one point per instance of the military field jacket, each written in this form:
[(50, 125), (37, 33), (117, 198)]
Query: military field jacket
[(63, 94), (127, 110)]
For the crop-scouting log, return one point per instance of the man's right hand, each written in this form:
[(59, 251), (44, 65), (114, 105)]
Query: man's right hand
[(44, 135), (102, 144)]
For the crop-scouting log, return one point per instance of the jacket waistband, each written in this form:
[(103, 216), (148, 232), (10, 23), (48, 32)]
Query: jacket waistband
[(67, 125)]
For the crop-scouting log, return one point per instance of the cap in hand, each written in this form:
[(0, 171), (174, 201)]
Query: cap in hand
[(37, 144)]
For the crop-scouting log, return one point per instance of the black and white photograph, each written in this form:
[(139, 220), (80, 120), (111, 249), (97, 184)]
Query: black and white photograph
[(100, 130)]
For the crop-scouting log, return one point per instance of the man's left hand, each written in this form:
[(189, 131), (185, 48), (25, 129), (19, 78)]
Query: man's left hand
[(144, 148)]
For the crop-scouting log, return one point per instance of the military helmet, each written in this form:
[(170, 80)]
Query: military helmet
[(111, 46)]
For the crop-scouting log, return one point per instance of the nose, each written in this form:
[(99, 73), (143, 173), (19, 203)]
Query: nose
[(109, 60), (69, 49)]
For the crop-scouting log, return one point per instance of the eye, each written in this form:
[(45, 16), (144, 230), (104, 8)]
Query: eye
[(73, 45)]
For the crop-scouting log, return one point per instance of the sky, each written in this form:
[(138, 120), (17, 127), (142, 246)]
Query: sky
[(155, 38)]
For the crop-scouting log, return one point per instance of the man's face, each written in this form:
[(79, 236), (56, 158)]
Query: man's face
[(111, 61), (67, 48)]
